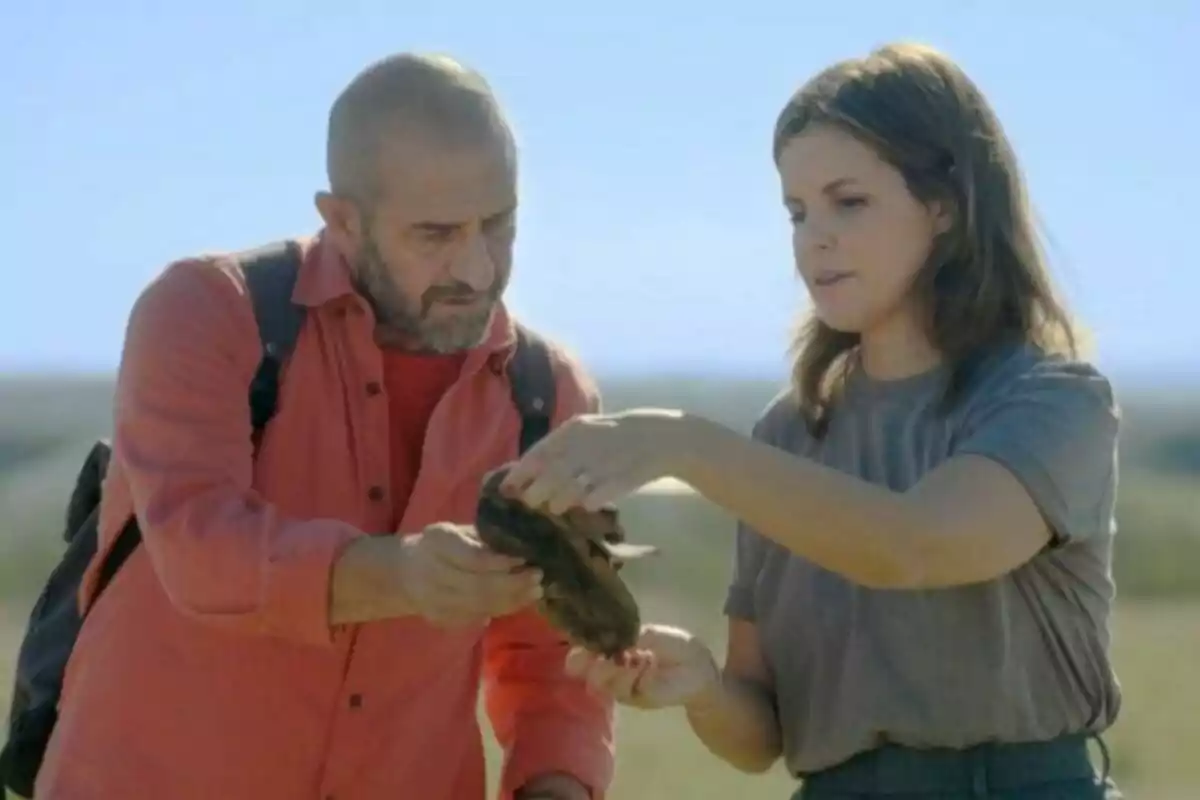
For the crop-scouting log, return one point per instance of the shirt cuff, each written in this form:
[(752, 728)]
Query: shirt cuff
[(300, 577), (543, 746)]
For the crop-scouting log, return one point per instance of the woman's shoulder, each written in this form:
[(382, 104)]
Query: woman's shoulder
[(781, 419), (1026, 371)]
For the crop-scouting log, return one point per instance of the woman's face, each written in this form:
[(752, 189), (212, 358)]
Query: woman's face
[(860, 238)]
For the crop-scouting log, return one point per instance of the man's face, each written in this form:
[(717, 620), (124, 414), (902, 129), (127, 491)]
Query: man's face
[(434, 251)]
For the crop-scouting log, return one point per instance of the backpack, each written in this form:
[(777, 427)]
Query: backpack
[(55, 621)]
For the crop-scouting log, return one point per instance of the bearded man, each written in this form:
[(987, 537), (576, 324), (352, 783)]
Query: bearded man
[(309, 614)]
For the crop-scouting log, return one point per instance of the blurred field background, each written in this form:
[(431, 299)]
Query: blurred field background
[(47, 425)]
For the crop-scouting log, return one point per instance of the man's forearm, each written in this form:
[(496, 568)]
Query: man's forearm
[(737, 721), (366, 583)]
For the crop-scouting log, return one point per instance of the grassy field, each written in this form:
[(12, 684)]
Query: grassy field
[(46, 427), (1155, 746)]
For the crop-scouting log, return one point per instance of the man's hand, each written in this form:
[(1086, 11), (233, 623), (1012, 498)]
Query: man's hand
[(553, 786), (444, 574), (450, 578)]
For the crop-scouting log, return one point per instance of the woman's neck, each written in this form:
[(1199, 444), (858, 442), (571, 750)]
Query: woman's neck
[(897, 349)]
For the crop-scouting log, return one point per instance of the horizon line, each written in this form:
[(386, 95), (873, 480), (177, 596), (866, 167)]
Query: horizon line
[(1138, 378)]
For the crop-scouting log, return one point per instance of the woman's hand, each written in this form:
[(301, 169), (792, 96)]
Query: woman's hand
[(596, 459), (668, 667)]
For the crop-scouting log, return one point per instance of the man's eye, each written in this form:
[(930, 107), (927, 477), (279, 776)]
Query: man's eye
[(439, 234), (797, 217), (852, 202)]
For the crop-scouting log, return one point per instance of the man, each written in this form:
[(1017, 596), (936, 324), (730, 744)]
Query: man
[(263, 643)]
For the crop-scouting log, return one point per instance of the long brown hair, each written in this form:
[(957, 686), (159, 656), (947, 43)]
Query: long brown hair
[(986, 280)]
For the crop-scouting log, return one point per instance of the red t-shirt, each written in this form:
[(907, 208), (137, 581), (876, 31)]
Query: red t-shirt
[(415, 382)]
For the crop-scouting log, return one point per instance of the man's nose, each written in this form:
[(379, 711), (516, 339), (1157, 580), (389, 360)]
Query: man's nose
[(473, 264)]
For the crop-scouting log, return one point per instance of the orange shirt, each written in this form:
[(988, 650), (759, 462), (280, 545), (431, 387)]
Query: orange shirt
[(209, 668)]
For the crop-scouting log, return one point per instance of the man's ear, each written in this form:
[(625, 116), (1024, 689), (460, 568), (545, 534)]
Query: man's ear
[(343, 222)]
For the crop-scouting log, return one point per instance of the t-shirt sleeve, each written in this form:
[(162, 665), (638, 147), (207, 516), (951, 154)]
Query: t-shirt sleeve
[(1054, 425), (749, 553)]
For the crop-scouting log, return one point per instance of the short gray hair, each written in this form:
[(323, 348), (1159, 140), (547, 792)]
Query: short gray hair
[(425, 94)]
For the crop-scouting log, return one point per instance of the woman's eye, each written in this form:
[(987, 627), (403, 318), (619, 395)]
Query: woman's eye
[(852, 202), (796, 217)]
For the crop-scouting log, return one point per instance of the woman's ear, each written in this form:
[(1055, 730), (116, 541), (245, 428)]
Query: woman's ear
[(941, 216)]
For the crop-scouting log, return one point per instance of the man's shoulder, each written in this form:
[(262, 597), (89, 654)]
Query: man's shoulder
[(210, 284), (193, 284), (195, 304)]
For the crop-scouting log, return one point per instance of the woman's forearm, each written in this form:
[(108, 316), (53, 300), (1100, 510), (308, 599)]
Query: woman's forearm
[(848, 526), (737, 721)]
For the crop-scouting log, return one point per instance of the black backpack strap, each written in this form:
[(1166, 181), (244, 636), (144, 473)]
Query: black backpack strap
[(270, 273), (531, 375)]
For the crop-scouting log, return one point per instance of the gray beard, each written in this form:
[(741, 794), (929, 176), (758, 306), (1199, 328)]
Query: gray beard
[(405, 322)]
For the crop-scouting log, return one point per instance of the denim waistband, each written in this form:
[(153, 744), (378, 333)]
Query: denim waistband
[(892, 769)]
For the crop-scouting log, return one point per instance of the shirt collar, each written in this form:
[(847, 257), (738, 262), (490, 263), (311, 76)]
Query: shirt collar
[(324, 281)]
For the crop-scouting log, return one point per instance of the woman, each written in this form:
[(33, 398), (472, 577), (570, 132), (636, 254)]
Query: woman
[(921, 585)]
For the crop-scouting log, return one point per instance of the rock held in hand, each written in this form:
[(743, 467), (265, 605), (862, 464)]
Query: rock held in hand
[(579, 554)]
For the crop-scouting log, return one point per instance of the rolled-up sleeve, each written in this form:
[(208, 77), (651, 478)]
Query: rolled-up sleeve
[(182, 435), (545, 720)]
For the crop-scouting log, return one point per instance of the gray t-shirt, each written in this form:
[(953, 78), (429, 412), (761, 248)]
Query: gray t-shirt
[(1020, 658)]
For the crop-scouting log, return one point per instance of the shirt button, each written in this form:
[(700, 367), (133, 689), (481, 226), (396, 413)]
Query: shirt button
[(375, 493), (373, 388), (356, 701)]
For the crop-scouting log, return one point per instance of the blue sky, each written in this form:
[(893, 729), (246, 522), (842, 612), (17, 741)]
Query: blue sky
[(651, 233)]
